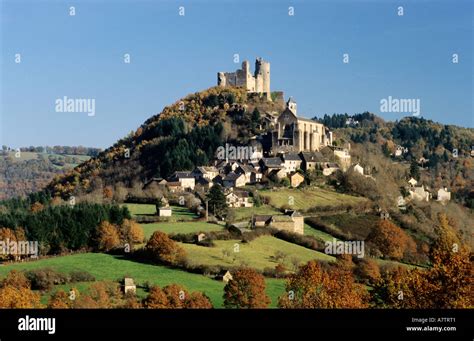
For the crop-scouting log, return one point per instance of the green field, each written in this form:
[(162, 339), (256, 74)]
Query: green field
[(245, 213), (323, 236), (304, 199), (108, 267), (179, 212), (141, 209), (258, 254), (180, 227)]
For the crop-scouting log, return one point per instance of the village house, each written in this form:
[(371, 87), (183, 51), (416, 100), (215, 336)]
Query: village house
[(186, 179), (412, 182), (422, 161), (400, 150), (224, 276), (174, 186), (291, 162), (277, 174), (255, 176), (269, 164), (129, 285), (200, 237), (238, 199), (329, 168), (444, 195), (165, 211), (205, 183), (401, 203), (247, 171), (312, 160), (291, 221), (296, 179), (419, 193), (155, 181), (359, 169), (352, 122), (343, 156), (233, 180), (204, 172)]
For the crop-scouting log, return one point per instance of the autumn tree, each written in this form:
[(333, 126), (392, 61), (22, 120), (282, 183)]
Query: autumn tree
[(16, 279), (447, 284), (246, 289), (19, 298), (368, 271), (175, 296), (131, 232), (104, 294), (163, 249), (60, 300), (108, 236), (391, 240), (15, 292), (36, 207), (198, 300), (314, 286), (156, 299)]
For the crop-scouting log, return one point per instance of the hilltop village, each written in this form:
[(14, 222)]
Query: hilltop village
[(231, 193), (291, 150)]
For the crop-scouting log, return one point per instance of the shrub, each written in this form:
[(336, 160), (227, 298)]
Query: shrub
[(81, 276), (46, 278)]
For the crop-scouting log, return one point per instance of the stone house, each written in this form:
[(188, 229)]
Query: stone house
[(330, 168), (419, 193), (206, 184), (343, 156), (277, 174), (224, 276), (238, 199), (291, 162), (312, 160), (291, 221), (200, 237), (359, 169), (246, 170), (204, 172), (269, 164), (165, 211), (129, 285), (296, 179), (186, 179), (444, 195), (234, 180)]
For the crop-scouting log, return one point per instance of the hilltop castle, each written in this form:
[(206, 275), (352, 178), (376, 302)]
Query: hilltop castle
[(289, 132), (259, 82)]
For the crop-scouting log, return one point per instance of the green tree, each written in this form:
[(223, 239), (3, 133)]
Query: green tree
[(414, 170), (217, 202)]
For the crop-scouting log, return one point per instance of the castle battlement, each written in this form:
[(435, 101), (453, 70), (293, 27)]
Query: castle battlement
[(259, 82)]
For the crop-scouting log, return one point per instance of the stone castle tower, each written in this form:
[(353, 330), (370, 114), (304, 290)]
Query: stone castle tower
[(259, 82)]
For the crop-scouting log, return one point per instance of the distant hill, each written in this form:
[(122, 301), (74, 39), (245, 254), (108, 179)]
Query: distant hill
[(30, 169)]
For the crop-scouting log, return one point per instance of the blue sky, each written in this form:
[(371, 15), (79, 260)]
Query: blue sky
[(81, 56)]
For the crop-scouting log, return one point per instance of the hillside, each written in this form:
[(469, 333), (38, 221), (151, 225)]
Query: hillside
[(30, 169), (187, 133), (183, 135)]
